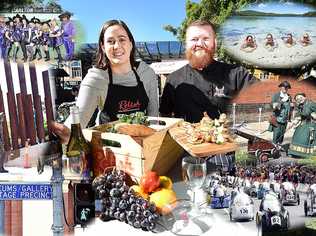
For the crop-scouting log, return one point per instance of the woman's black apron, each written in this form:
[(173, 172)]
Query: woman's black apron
[(124, 99)]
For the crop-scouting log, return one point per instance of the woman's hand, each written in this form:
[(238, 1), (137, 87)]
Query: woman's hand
[(61, 130)]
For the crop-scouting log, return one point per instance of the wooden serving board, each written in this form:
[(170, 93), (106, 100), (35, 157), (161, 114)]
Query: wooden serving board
[(180, 135)]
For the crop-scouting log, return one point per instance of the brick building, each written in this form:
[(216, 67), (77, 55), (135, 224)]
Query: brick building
[(259, 95)]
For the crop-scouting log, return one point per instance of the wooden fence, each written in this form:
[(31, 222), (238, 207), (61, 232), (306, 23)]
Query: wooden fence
[(24, 119)]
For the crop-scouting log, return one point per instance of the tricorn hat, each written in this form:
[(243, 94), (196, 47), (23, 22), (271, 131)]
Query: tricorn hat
[(35, 20), (285, 84), (25, 18), (65, 14), (9, 20), (17, 16), (45, 22)]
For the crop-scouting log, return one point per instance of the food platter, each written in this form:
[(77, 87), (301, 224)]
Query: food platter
[(181, 136)]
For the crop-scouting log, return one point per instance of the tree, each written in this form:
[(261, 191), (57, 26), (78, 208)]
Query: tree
[(54, 5), (7, 5), (217, 11), (38, 2), (171, 29)]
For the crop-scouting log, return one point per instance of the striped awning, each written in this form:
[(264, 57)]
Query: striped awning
[(221, 160)]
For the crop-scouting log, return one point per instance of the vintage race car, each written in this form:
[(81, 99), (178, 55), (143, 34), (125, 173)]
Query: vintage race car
[(246, 185), (254, 189), (220, 202), (214, 183), (272, 216), (289, 195), (276, 187), (310, 203), (263, 189), (241, 207), (220, 198)]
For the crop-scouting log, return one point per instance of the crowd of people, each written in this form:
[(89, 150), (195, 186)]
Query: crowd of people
[(250, 44), (295, 173), (33, 37)]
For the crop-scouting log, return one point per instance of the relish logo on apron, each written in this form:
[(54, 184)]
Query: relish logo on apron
[(125, 99)]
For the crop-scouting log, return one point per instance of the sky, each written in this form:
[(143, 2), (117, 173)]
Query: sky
[(281, 7), (145, 18)]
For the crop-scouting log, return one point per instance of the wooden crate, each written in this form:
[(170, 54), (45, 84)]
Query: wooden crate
[(137, 155)]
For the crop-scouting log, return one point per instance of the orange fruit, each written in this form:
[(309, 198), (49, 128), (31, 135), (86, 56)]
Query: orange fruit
[(164, 200), (165, 182), (149, 182), (139, 191)]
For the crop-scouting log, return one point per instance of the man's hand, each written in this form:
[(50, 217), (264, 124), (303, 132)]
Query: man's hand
[(61, 130), (296, 122), (276, 106)]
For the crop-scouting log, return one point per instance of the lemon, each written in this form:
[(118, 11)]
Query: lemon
[(164, 199), (165, 182), (139, 191)]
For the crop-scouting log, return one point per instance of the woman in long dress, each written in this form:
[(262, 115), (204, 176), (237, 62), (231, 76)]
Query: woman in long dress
[(304, 138)]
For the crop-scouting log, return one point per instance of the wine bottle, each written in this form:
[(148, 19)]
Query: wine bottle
[(78, 150), (97, 152), (102, 158)]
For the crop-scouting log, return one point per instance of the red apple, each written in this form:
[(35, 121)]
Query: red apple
[(149, 182)]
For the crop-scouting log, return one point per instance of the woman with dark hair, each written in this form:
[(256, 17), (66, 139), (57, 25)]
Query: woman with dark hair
[(25, 36), (118, 84), (270, 44), (288, 40), (249, 44), (304, 138)]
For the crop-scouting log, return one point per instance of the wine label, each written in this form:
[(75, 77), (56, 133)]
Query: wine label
[(81, 164)]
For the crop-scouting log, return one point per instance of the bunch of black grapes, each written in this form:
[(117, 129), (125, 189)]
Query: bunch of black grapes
[(120, 202)]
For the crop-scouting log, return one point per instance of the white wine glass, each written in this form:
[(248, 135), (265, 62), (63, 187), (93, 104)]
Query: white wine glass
[(194, 174)]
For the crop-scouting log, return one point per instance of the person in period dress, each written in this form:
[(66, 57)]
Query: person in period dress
[(45, 39), (25, 36), (56, 38), (304, 138), (69, 33), (281, 106), (8, 37), (17, 35), (2, 37), (37, 39)]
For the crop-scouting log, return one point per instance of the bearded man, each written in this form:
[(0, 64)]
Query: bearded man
[(203, 85), (281, 106)]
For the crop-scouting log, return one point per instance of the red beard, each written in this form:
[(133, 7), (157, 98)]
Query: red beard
[(200, 61)]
